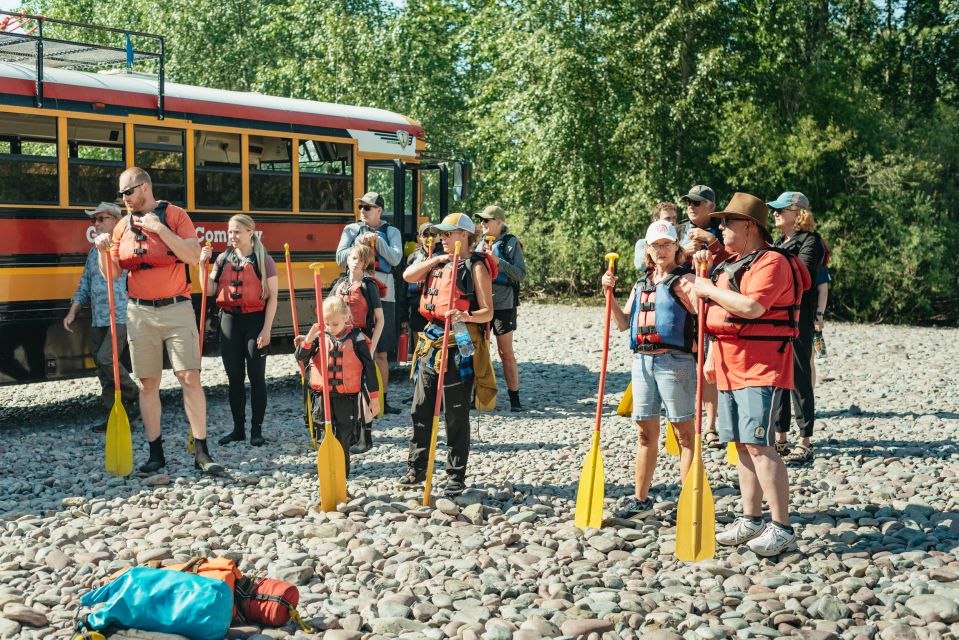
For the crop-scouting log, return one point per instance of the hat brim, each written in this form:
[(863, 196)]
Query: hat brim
[(779, 204), (449, 227), (106, 211), (659, 237), (372, 204), (486, 217), (689, 197)]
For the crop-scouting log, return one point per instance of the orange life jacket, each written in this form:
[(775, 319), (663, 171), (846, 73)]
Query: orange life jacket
[(434, 303), (778, 323), (242, 287), (345, 371), (356, 297), (140, 249)]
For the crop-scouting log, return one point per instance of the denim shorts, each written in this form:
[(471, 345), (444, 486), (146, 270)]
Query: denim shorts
[(664, 379), (749, 415)]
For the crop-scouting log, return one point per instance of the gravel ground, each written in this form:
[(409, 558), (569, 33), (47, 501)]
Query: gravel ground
[(877, 512)]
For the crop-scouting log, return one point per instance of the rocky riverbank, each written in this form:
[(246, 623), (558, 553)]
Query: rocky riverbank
[(877, 512)]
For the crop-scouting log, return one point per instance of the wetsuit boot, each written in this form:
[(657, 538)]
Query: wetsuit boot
[(365, 442), (514, 404), (156, 460), (202, 459), (256, 436), (237, 435)]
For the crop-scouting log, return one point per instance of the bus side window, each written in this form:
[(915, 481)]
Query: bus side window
[(271, 174), (28, 159), (160, 151), (96, 160), (326, 176), (217, 172)]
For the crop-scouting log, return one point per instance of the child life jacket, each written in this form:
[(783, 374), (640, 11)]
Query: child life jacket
[(658, 319), (242, 288), (344, 369), (778, 323), (356, 297), (434, 302)]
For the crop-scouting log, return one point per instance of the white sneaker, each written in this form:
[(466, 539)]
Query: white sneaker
[(740, 531), (771, 542)]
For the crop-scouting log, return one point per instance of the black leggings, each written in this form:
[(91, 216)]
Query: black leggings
[(238, 334)]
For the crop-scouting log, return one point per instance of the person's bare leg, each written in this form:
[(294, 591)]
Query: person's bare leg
[(194, 401), (647, 448), (772, 480), (504, 344), (686, 437), (749, 487), (150, 406), (710, 399)]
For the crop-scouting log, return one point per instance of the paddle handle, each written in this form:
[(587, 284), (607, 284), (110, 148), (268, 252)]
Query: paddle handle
[(324, 365), (429, 247), (113, 323), (700, 351), (612, 258), (203, 278), (427, 487)]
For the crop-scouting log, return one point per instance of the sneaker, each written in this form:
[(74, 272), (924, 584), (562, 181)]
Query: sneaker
[(772, 541), (393, 411), (454, 487), (635, 509), (411, 480), (740, 531)]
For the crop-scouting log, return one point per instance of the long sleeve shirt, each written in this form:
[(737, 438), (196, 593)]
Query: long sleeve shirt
[(391, 251), (513, 268), (92, 290)]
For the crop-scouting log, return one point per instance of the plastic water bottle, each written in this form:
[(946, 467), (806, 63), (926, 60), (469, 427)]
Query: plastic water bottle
[(819, 344), (463, 341)]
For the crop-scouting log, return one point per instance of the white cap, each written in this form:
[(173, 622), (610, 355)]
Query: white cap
[(661, 230), (105, 207)]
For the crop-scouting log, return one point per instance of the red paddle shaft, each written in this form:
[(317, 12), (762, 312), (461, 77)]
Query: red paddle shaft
[(446, 335), (612, 257), (113, 322), (318, 284), (700, 355)]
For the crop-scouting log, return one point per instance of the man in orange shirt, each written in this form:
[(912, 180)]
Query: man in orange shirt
[(155, 242), (750, 317)]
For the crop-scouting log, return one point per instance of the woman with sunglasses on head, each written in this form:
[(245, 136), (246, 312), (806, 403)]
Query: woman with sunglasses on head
[(795, 223), (244, 282), (472, 304)]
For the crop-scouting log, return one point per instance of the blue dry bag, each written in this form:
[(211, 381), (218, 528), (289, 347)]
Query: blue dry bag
[(162, 600)]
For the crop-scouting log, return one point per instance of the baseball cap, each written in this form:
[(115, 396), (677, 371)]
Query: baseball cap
[(456, 221), (661, 230), (700, 193), (105, 207), (789, 199), (493, 212), (371, 198), (423, 228)]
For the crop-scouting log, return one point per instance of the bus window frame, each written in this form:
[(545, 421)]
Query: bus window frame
[(57, 160)]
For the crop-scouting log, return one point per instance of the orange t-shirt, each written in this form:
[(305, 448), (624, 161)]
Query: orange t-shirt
[(754, 363), (159, 281)]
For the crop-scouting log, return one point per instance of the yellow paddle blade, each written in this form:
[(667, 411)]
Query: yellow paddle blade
[(430, 460), (732, 454), (331, 470), (379, 381), (696, 514), (189, 442), (119, 448), (625, 407), (672, 446), (592, 489)]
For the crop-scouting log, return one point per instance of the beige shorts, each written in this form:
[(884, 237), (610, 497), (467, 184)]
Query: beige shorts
[(149, 329)]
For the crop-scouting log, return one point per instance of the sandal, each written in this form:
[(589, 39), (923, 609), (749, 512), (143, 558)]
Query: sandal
[(800, 455), (711, 439), (782, 448)]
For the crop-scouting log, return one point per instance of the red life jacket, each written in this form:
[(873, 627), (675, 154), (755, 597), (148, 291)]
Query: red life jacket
[(140, 249), (345, 371), (658, 319), (242, 287), (434, 303), (778, 323), (356, 295)]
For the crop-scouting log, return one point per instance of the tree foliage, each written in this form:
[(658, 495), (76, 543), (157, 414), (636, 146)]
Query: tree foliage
[(579, 115)]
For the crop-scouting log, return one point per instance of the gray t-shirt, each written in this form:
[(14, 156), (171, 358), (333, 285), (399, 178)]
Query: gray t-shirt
[(391, 251), (511, 264)]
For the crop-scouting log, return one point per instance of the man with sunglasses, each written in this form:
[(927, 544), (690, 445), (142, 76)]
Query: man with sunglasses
[(387, 244), (152, 245), (92, 289)]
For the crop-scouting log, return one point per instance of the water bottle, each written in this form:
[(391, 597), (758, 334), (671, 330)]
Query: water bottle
[(819, 344), (463, 341)]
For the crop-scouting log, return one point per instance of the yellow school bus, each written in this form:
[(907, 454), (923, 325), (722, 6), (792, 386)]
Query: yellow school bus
[(66, 134)]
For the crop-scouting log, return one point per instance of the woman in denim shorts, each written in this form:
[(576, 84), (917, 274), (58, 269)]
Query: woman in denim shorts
[(662, 334)]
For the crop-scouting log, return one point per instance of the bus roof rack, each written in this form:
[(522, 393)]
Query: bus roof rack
[(23, 41)]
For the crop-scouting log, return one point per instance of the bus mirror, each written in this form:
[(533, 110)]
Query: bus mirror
[(461, 180)]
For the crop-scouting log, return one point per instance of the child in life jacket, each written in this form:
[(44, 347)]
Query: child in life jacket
[(350, 375), (361, 292)]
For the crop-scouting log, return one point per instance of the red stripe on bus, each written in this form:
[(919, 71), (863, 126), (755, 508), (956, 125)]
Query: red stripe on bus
[(69, 236), (190, 105)]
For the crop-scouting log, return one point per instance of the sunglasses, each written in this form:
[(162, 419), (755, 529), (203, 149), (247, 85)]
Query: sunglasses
[(429, 235), (366, 207), (695, 204), (129, 192), (103, 218)]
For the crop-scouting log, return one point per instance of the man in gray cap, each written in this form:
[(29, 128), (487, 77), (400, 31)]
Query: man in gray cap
[(387, 244), (92, 289), (512, 269)]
